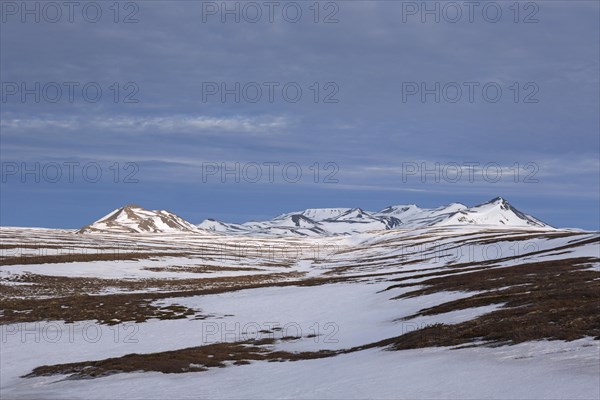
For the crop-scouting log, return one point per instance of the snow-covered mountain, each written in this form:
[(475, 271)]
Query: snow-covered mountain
[(334, 221), (411, 216), (322, 221), (310, 222), (135, 219), (497, 212)]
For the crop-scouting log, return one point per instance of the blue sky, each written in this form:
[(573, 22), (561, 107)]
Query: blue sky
[(359, 121)]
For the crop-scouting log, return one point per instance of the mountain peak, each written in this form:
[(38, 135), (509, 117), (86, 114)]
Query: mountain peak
[(131, 207), (132, 218), (497, 200), (495, 212)]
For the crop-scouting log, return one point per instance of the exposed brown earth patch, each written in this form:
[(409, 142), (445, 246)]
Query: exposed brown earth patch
[(66, 299), (557, 299), (69, 258), (193, 359), (25, 304)]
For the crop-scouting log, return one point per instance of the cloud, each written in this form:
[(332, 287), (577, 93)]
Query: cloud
[(267, 125)]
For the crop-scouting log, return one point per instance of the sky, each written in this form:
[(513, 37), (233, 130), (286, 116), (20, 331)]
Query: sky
[(244, 110)]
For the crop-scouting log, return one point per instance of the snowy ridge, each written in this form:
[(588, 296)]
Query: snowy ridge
[(343, 221), (495, 212)]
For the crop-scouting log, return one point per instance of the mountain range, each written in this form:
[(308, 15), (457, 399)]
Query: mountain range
[(321, 221)]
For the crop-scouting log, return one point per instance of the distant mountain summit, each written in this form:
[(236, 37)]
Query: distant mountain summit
[(323, 221), (496, 212), (135, 219)]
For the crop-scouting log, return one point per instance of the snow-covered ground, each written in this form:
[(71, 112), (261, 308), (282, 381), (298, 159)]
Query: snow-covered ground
[(346, 305), (540, 370)]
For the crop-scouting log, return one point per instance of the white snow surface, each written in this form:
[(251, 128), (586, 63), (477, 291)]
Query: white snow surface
[(343, 314), (535, 370)]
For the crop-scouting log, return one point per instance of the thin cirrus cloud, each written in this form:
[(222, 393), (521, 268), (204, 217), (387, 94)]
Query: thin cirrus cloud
[(267, 125)]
